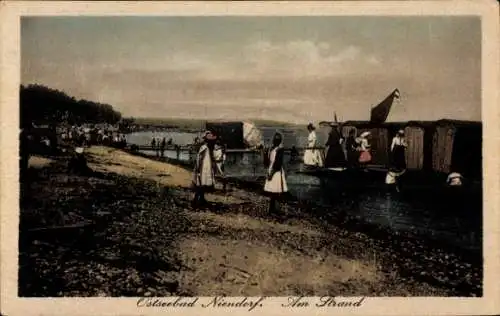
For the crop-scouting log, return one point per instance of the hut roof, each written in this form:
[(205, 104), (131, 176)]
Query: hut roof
[(458, 122), (368, 124)]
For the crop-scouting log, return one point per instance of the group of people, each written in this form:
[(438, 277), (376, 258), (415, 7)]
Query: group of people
[(210, 162), (86, 136), (159, 144), (353, 152), (341, 153)]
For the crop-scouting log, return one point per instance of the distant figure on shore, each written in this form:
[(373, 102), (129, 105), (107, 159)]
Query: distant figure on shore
[(177, 151), (153, 143), (163, 144), (351, 147), (157, 142), (335, 157), (312, 155), (170, 141), (204, 170), (275, 184), (365, 156)]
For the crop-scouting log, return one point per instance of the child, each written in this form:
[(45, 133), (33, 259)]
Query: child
[(275, 184), (220, 158)]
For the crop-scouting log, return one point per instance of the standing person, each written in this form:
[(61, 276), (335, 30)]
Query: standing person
[(158, 144), (153, 143), (335, 156), (312, 155), (275, 184), (398, 150), (351, 147), (220, 158), (398, 160), (162, 146), (204, 170), (365, 156)]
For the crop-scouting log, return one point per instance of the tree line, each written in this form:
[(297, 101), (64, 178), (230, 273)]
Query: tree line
[(42, 105)]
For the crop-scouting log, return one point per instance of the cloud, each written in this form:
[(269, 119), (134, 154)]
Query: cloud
[(264, 60), (303, 59), (299, 80)]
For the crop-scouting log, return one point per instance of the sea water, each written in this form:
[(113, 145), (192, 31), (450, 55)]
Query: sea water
[(458, 223)]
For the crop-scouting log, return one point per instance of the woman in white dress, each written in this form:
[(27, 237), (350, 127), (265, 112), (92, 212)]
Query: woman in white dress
[(275, 184), (204, 169), (312, 155)]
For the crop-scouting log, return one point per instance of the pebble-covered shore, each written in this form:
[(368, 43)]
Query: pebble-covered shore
[(106, 234)]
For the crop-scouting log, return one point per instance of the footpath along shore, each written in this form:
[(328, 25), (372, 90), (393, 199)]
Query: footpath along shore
[(127, 229)]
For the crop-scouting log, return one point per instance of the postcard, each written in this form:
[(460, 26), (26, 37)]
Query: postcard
[(230, 158)]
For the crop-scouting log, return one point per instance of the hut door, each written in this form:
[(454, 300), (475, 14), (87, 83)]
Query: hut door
[(442, 149), (450, 135), (415, 150), (380, 146)]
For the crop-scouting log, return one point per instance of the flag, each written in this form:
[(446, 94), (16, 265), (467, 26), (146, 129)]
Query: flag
[(380, 112), (397, 95)]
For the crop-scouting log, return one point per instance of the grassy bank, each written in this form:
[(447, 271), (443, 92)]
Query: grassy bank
[(127, 229)]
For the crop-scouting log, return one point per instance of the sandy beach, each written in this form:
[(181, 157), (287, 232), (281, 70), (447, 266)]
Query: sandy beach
[(127, 229)]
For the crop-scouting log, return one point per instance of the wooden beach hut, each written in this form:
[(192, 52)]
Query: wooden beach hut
[(236, 135), (442, 147), (457, 146), (418, 136), (414, 135)]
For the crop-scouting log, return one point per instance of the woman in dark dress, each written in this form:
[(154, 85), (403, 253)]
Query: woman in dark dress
[(398, 161), (398, 149), (335, 156)]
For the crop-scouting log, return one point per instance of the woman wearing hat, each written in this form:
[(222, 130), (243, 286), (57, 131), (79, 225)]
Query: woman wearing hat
[(365, 147), (275, 184), (312, 155), (204, 169), (335, 156)]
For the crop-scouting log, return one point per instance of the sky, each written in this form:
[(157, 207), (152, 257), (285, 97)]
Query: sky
[(294, 69)]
